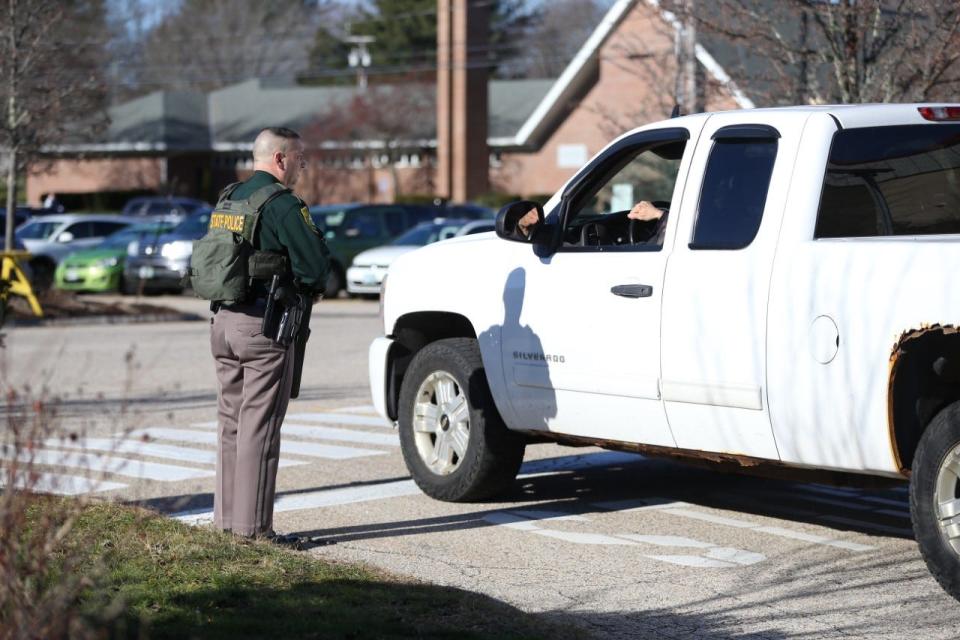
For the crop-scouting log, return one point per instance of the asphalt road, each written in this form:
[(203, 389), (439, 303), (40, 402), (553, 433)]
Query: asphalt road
[(624, 546)]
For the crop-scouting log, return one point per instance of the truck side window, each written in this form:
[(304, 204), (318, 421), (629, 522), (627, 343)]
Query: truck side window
[(734, 193), (892, 181), (601, 209)]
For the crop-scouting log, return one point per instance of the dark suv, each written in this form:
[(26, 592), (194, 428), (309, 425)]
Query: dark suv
[(352, 228)]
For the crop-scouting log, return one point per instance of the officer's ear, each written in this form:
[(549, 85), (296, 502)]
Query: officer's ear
[(278, 158)]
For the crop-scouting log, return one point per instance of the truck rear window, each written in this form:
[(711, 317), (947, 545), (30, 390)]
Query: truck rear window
[(892, 181)]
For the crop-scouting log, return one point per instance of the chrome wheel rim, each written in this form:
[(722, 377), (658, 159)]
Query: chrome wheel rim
[(441, 423), (947, 498)]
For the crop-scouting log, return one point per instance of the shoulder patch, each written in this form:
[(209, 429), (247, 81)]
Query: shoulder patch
[(305, 214)]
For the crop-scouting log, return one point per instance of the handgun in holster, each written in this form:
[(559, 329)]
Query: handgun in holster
[(290, 320), (286, 320), (300, 346), (273, 311)]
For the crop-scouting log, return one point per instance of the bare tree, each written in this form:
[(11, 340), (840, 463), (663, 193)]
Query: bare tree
[(646, 51), (558, 32), (852, 51), (208, 44), (385, 121), (44, 94), (129, 23)]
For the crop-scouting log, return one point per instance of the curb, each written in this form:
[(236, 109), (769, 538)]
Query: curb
[(100, 320)]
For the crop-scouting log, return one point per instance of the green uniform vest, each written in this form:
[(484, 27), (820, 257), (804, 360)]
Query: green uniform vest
[(225, 263)]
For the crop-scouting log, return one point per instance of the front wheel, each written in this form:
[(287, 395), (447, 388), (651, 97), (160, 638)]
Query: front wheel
[(453, 440), (935, 498)]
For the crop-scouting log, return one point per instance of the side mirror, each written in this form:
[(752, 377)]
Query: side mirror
[(65, 237), (519, 221)]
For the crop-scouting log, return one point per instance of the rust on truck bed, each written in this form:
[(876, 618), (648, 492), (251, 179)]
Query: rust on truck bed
[(726, 462), (919, 385)]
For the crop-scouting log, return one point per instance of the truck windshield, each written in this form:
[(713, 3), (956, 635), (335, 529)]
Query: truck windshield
[(892, 181)]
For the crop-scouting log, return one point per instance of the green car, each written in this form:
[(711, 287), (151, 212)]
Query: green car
[(101, 268)]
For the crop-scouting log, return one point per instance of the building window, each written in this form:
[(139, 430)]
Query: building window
[(571, 156)]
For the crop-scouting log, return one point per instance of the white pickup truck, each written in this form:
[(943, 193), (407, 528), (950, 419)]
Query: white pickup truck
[(793, 309)]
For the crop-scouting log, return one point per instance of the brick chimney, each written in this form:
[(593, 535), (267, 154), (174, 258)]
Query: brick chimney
[(463, 164)]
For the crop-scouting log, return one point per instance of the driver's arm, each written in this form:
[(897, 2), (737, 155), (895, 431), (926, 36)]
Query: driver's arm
[(645, 212), (527, 222)]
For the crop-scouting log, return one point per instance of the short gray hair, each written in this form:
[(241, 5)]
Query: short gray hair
[(271, 140)]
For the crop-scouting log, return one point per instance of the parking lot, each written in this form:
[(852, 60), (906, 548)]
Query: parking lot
[(622, 545)]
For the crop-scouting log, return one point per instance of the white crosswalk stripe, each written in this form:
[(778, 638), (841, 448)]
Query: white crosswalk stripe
[(341, 418), (399, 488), (100, 463), (122, 453), (65, 485), (345, 435), (710, 555), (311, 449), (368, 409), (148, 449)]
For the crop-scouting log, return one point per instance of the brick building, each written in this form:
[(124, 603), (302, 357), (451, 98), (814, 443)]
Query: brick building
[(540, 131)]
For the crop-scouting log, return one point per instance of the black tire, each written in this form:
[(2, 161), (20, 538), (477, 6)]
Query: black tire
[(493, 453), (941, 437), (335, 281), (130, 287), (43, 272)]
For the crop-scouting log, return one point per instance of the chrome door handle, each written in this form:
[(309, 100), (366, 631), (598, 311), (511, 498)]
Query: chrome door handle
[(632, 290)]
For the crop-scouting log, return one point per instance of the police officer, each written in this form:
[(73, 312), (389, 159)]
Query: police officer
[(254, 371)]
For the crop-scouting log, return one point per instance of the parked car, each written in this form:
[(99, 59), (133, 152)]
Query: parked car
[(794, 312), (365, 275), (170, 208), (467, 210), (161, 265), (352, 228), (50, 238), (101, 268), (20, 216)]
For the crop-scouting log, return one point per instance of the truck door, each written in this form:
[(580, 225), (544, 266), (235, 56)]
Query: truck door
[(581, 336), (717, 285)]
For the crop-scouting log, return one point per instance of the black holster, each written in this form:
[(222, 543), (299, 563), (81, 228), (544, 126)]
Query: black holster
[(273, 310), (286, 321), (300, 345)]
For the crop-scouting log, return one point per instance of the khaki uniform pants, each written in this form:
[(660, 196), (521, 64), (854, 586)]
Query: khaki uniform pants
[(254, 376)]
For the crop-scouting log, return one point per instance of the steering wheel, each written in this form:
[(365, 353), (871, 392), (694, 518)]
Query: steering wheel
[(592, 235), (641, 231)]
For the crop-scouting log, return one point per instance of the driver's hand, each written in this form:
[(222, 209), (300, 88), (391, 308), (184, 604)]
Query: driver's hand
[(527, 222), (645, 211)]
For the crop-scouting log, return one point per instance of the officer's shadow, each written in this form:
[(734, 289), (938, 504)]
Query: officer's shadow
[(525, 366)]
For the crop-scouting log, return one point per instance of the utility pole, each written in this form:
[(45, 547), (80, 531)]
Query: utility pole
[(359, 58), (687, 60), (463, 158)]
